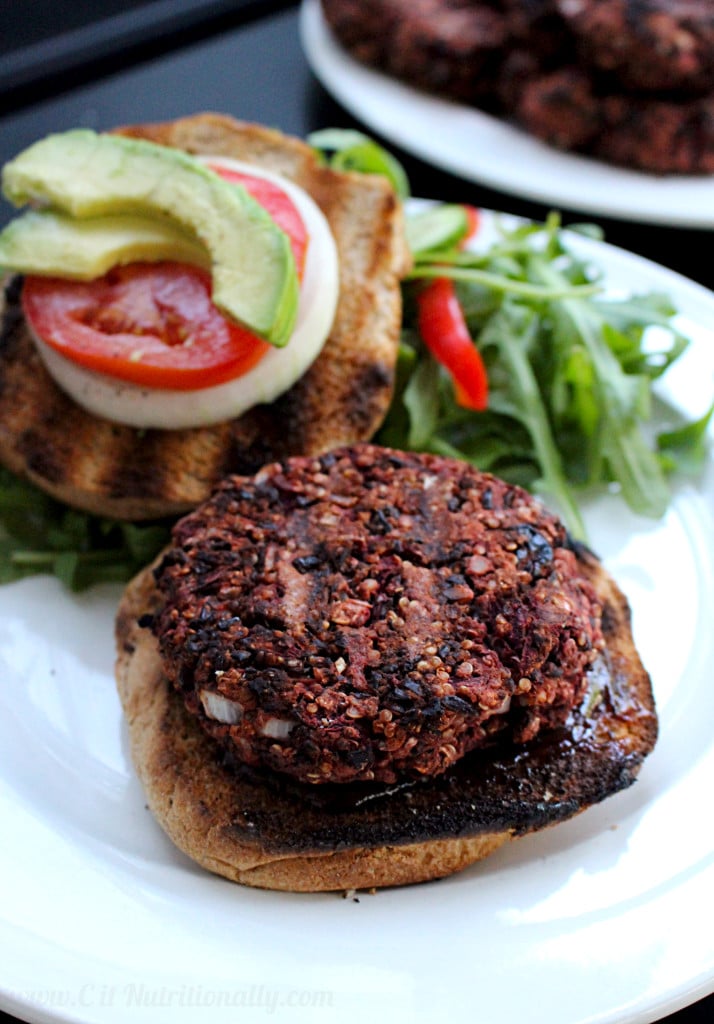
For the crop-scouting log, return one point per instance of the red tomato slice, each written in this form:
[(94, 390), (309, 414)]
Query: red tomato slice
[(147, 323), (154, 324)]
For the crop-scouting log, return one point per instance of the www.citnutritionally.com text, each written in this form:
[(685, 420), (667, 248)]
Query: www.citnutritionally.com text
[(142, 996)]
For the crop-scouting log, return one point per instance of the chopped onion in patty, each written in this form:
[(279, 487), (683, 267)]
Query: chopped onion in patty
[(220, 709)]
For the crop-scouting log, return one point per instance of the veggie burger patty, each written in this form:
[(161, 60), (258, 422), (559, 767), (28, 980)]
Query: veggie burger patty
[(373, 615)]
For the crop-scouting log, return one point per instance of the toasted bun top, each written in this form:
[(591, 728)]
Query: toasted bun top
[(121, 472)]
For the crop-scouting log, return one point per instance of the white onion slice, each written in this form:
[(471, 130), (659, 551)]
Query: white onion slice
[(220, 708), (278, 728), (144, 407)]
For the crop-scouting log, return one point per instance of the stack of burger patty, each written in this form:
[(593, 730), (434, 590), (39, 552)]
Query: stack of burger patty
[(628, 81)]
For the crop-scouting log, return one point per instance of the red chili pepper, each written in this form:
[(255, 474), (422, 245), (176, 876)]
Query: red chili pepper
[(444, 331)]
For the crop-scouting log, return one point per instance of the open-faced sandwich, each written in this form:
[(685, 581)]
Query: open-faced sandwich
[(372, 668), (110, 401), (353, 665)]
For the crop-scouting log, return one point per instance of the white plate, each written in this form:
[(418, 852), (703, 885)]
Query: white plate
[(598, 920), (480, 148)]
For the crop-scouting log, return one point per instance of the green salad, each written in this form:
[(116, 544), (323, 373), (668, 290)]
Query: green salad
[(569, 370)]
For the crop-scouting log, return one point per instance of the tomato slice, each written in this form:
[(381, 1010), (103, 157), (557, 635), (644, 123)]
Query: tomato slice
[(154, 324), (146, 323)]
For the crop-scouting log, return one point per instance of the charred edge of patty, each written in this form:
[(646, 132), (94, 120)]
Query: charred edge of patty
[(374, 615), (499, 789)]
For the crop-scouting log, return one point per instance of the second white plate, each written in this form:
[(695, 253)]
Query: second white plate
[(483, 149)]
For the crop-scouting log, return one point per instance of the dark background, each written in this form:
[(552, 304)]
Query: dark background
[(113, 62), (100, 64)]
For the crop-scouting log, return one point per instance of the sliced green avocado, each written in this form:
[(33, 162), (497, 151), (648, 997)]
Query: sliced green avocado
[(53, 244), (85, 174)]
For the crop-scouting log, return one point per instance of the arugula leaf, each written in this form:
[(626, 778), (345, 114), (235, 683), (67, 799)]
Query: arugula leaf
[(617, 446), (41, 535), (436, 227), (353, 151), (685, 448), (512, 334), (422, 400)]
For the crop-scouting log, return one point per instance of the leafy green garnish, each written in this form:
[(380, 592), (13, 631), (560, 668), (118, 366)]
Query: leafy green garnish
[(41, 535), (436, 227), (685, 447), (352, 151), (570, 373)]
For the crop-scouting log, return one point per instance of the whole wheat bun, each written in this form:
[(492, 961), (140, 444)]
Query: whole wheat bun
[(124, 473), (264, 831)]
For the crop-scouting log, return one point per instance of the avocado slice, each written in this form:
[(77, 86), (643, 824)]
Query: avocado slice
[(84, 174), (52, 244)]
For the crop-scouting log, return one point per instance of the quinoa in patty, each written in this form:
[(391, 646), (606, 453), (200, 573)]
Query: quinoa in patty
[(373, 615)]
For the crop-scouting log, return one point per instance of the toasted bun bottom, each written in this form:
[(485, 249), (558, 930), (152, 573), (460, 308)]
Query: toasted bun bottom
[(271, 833)]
